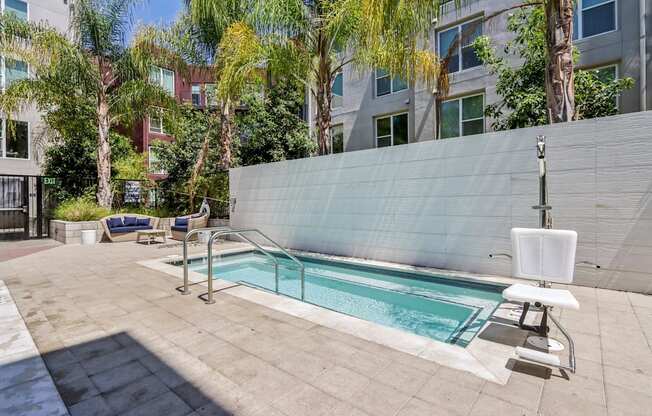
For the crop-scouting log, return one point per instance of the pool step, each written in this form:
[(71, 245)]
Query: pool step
[(538, 357)]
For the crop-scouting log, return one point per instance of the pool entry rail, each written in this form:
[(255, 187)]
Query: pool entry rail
[(217, 232)]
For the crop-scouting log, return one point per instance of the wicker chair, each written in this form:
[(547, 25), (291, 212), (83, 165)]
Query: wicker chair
[(194, 221), (117, 235)]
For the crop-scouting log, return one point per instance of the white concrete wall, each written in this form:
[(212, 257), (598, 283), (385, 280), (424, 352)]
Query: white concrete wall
[(450, 203)]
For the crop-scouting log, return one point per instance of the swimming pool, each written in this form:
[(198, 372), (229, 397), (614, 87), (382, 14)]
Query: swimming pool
[(444, 309)]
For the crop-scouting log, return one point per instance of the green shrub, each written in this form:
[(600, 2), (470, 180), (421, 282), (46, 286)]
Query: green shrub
[(83, 208)]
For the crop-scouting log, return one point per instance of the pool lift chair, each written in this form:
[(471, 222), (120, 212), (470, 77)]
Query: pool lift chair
[(547, 256)]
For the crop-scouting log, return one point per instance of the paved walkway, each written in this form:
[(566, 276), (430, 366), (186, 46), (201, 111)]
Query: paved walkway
[(118, 339), (14, 249)]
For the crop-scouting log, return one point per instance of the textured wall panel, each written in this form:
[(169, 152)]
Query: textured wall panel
[(450, 203)]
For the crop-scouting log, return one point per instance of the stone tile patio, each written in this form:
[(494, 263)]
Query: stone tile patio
[(117, 338)]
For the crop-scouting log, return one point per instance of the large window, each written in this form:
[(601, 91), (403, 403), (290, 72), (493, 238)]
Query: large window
[(607, 74), (153, 161), (15, 139), (593, 17), (211, 95), (163, 77), (456, 44), (196, 95), (392, 130), (14, 70), (337, 138), (462, 116), (17, 7), (338, 90), (385, 84), (156, 123)]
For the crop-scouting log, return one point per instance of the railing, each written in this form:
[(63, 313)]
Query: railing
[(217, 232), (186, 289)]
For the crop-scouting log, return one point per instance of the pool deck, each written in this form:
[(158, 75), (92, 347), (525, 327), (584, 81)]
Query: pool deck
[(117, 338)]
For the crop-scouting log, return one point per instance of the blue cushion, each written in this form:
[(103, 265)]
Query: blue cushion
[(143, 221), (114, 222), (119, 230), (183, 228), (181, 221), (130, 221)]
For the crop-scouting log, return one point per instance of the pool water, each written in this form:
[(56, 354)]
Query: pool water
[(444, 309)]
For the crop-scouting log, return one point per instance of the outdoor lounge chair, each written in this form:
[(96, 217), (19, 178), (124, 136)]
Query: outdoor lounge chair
[(547, 256), (124, 227), (182, 225)]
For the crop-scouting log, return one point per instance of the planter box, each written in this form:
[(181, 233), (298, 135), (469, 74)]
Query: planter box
[(69, 232), (218, 222)]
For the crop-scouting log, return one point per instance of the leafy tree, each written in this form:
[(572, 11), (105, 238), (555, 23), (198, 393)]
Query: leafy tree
[(271, 129), (314, 40), (220, 44), (73, 160), (95, 69), (523, 88), (178, 160)]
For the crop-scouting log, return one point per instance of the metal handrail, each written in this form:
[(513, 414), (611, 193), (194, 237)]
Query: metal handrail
[(239, 233), (571, 345), (186, 289), (284, 251)]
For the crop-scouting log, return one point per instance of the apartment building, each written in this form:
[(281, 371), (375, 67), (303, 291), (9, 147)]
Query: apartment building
[(195, 88), (370, 109), (19, 152)]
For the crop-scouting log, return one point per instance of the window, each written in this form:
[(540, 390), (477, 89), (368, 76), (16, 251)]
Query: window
[(196, 95), (456, 44), (462, 116), (15, 143), (14, 70), (156, 122), (163, 77), (153, 161), (211, 95), (392, 130), (388, 85), (606, 73), (337, 138), (338, 90), (593, 17), (17, 7)]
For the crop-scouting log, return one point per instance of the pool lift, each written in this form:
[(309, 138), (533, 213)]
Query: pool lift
[(548, 256)]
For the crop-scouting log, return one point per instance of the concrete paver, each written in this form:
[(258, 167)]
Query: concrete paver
[(118, 338)]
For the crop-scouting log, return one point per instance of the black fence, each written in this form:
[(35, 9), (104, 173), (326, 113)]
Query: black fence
[(27, 203), (26, 206)]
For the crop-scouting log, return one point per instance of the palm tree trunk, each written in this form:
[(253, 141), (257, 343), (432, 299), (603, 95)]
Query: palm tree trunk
[(199, 165), (324, 96), (104, 194), (560, 90), (226, 133)]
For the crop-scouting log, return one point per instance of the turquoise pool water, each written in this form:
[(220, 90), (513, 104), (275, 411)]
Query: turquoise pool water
[(444, 309)]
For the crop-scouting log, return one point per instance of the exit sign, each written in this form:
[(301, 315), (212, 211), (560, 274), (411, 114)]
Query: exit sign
[(49, 181)]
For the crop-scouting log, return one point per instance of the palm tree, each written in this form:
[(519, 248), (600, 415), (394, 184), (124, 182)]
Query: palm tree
[(315, 39), (96, 66), (220, 44), (560, 78)]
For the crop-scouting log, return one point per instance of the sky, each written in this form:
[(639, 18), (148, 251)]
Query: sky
[(157, 11)]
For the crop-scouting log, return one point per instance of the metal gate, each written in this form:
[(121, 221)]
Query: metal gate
[(25, 207)]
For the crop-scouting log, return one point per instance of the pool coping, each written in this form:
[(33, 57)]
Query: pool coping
[(483, 358), (27, 383)]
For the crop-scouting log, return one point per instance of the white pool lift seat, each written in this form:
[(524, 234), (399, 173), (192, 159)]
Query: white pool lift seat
[(547, 256)]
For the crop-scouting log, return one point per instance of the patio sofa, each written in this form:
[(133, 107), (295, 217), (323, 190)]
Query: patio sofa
[(182, 225), (124, 227)]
